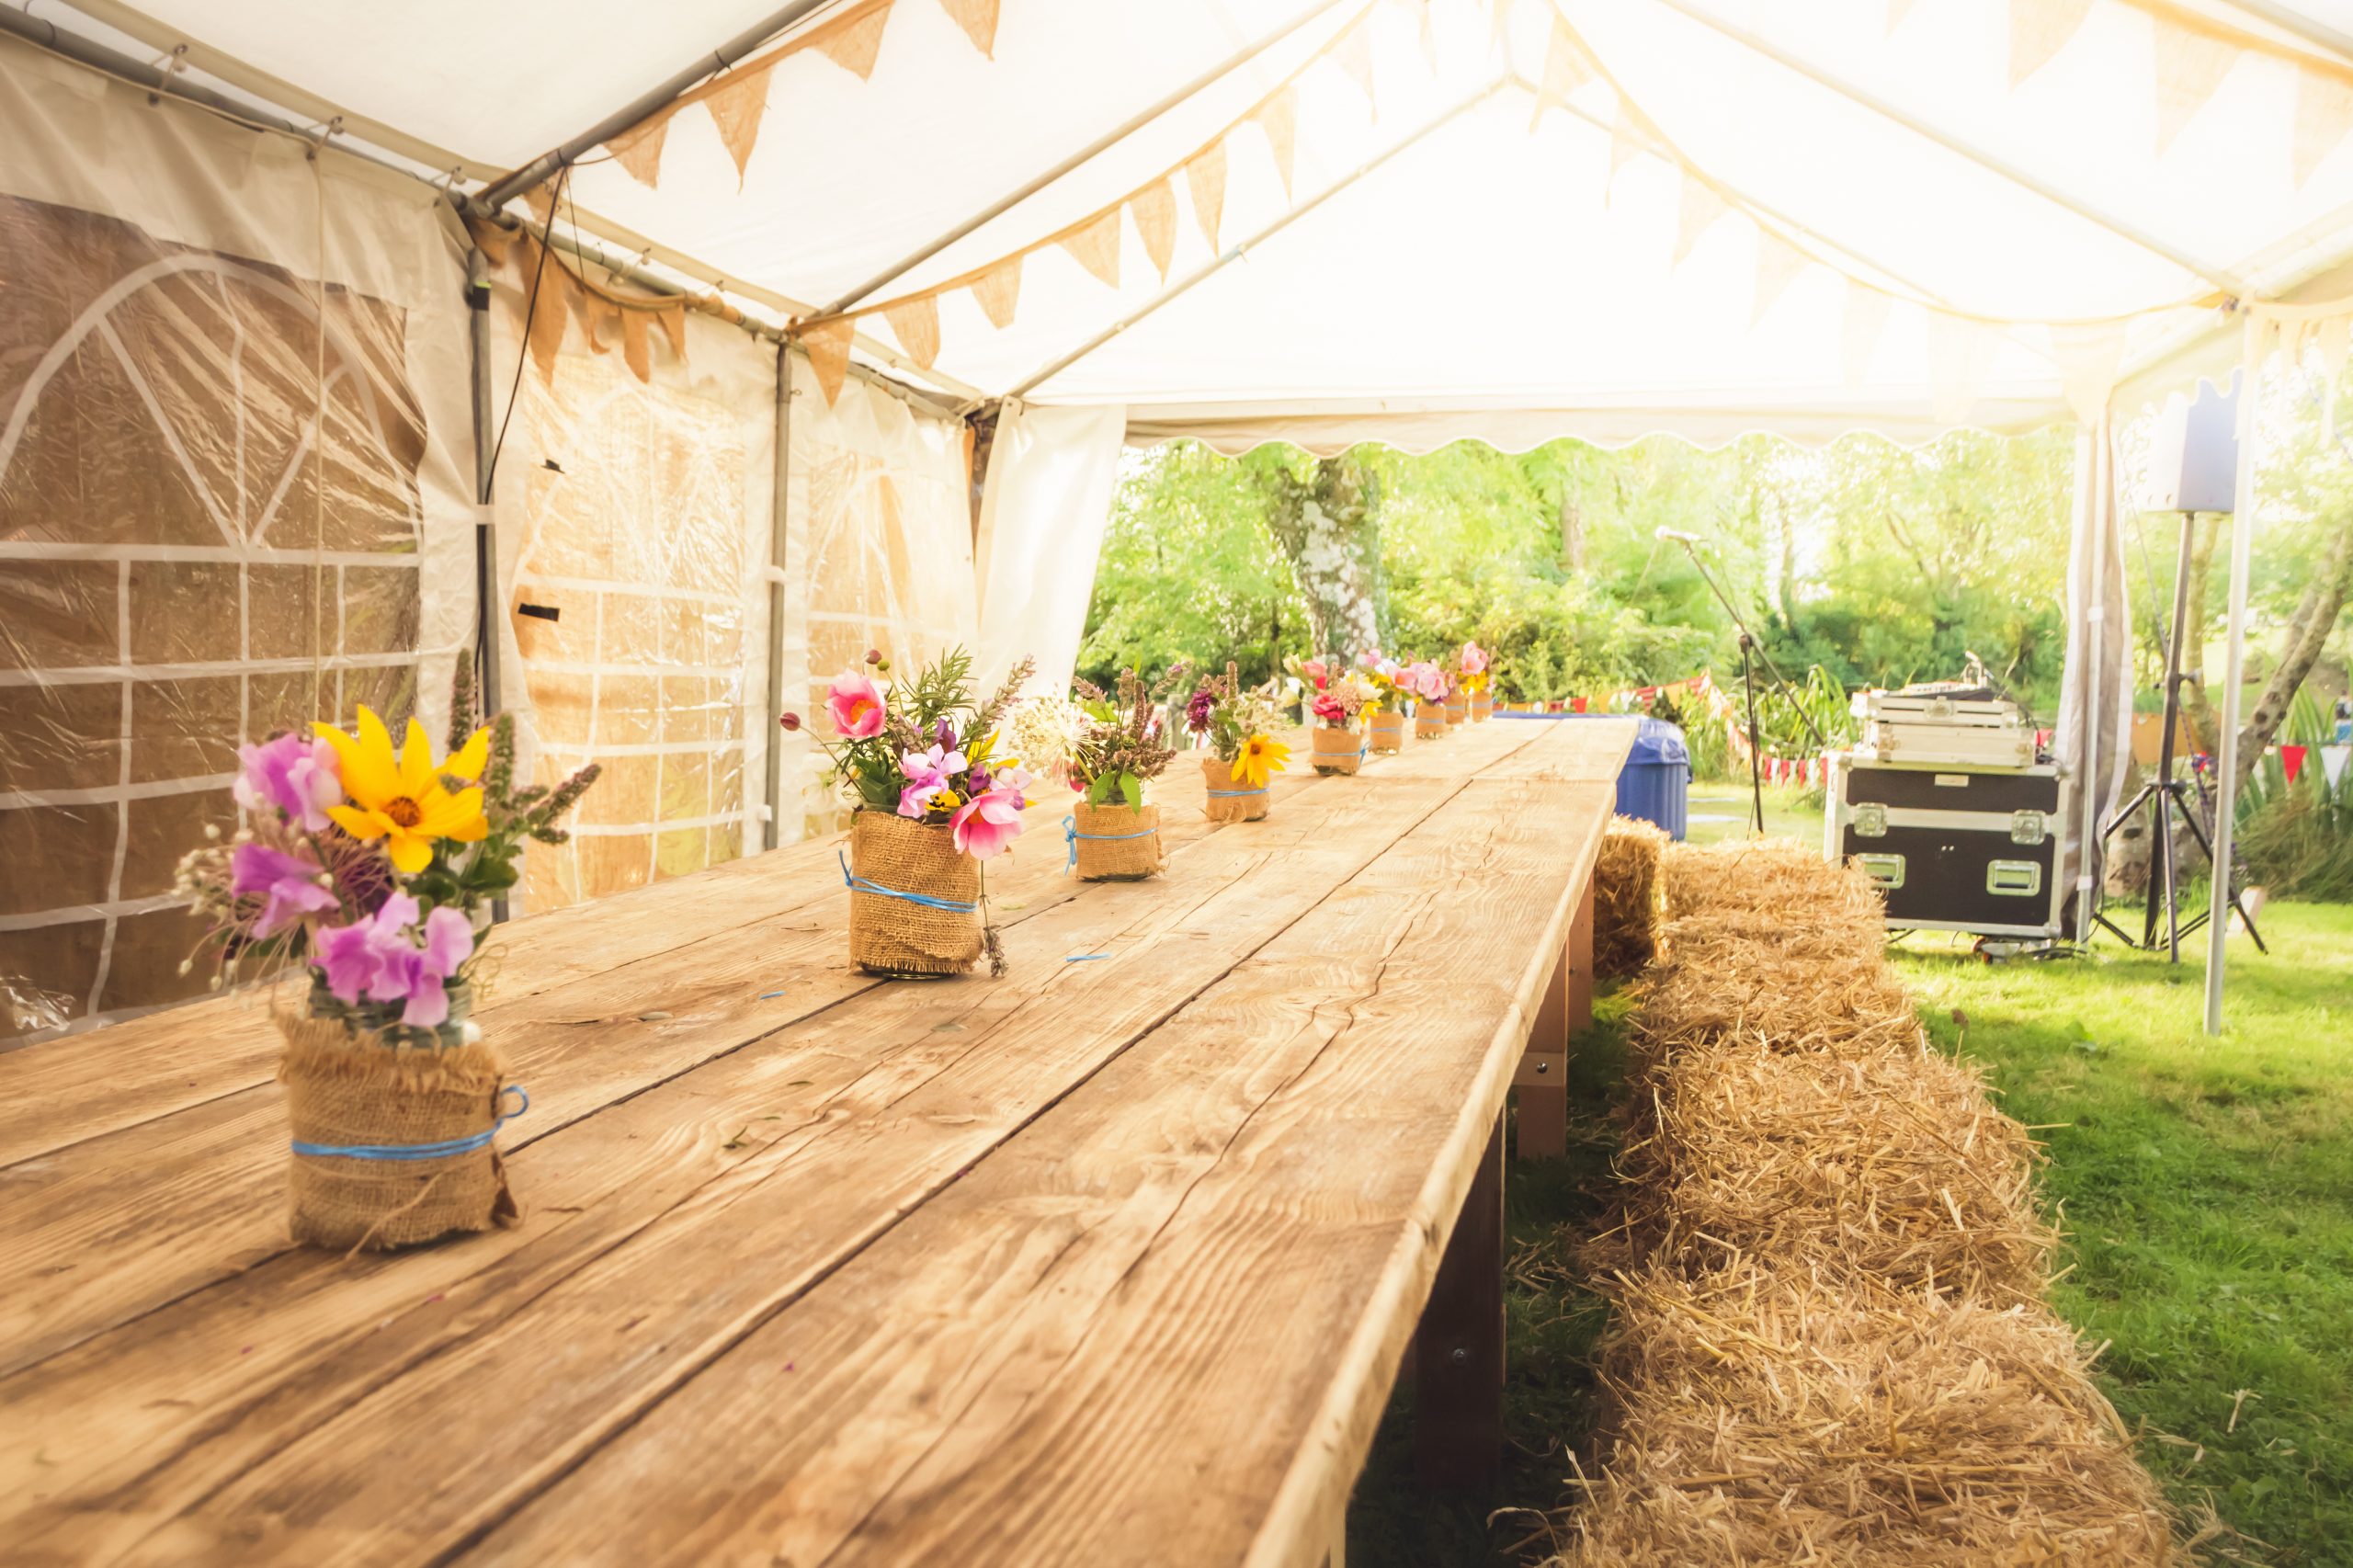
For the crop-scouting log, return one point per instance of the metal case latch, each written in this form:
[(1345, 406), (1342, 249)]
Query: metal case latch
[(2028, 827), (1870, 821), (2015, 878)]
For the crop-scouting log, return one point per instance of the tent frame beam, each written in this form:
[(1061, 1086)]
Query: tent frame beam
[(2319, 35), (1993, 162), (501, 191), (1242, 248), (1093, 149)]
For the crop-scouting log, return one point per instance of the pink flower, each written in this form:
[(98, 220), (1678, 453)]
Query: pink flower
[(928, 773), (986, 826), (1370, 659), (855, 704), (378, 957), (1315, 670), (293, 774), (289, 883), (1474, 659)]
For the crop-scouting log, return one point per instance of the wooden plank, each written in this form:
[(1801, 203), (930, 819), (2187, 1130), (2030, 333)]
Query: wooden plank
[(155, 1210), (1171, 1310), (80, 1087), (1459, 1345), (1579, 963), (1586, 750), (903, 1111), (1539, 1087)]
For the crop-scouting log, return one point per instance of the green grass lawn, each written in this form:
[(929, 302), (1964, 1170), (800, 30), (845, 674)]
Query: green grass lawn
[(1722, 811), (2206, 1188)]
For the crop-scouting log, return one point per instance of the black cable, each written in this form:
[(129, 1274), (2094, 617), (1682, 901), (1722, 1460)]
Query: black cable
[(530, 312), (1756, 766)]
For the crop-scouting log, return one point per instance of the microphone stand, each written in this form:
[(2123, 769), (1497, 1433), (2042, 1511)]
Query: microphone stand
[(1749, 644)]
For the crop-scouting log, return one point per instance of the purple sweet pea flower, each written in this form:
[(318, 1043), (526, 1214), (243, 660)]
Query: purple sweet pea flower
[(294, 774), (378, 957), (928, 773), (1197, 711), (289, 883), (944, 735)]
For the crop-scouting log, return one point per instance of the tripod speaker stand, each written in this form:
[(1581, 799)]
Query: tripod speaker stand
[(2166, 797)]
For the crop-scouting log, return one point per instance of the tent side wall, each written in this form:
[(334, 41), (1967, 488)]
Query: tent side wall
[(231, 499)]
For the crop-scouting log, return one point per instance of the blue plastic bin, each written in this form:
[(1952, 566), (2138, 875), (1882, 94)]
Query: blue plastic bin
[(1655, 783)]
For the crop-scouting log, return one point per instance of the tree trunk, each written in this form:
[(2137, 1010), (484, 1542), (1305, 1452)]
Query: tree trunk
[(2307, 632), (1572, 530), (2205, 729), (1328, 527)]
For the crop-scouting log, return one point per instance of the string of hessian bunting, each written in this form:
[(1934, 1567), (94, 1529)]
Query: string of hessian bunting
[(560, 294), (2193, 54)]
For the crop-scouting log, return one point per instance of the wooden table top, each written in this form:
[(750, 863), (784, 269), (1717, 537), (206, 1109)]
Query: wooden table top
[(1074, 1266)]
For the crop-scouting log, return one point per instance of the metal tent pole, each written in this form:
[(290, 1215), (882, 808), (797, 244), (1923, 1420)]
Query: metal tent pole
[(499, 192), (2094, 450), (485, 396), (2218, 919), (778, 513)]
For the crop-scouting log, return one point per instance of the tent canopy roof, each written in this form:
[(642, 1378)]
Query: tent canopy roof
[(1514, 219)]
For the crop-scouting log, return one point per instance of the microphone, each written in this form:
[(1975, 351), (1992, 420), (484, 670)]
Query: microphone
[(1677, 534)]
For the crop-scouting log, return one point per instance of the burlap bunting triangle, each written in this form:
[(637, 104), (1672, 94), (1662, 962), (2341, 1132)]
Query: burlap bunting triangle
[(2040, 29), (854, 40), (1778, 264), (827, 346), (1565, 70), (1625, 140), (639, 153), (1896, 10), (916, 324), (978, 18), (551, 313), (998, 290), (637, 345), (1095, 245), (673, 327), (1353, 54), (1700, 207), (2190, 66), (1959, 352), (1154, 208), (2324, 115), (1205, 180), (1278, 117), (736, 110)]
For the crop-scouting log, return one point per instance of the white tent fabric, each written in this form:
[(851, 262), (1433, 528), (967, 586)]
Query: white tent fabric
[(2095, 726), (1799, 218), (1052, 472)]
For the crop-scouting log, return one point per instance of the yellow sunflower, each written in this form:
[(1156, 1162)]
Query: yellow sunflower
[(1260, 758), (400, 799)]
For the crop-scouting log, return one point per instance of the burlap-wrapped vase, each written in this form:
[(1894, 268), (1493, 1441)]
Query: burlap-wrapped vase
[(1115, 844), (1429, 720), (893, 857), (349, 1092), (1386, 733), (1458, 709), (1229, 799), (1482, 707), (1337, 751)]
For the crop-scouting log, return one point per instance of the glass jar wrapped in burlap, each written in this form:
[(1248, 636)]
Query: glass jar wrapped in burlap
[(1429, 720), (1458, 709), (914, 902), (1386, 733), (1230, 799), (1336, 751), (1482, 707), (1114, 844)]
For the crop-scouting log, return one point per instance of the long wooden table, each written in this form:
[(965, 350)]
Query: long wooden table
[(1112, 1260)]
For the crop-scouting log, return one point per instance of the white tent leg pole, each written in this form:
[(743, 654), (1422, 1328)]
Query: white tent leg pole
[(778, 513), (2091, 450), (2218, 920), (488, 597)]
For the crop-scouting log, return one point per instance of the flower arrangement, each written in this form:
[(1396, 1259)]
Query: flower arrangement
[(1430, 684), (1237, 724), (1340, 697), (934, 799), (374, 866), (1385, 720), (1475, 677), (1120, 744)]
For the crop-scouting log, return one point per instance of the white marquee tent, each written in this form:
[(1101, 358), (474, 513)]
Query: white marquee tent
[(1097, 222)]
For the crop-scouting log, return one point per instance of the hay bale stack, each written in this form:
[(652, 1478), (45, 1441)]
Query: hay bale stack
[(1894, 1167), (1765, 876), (1763, 1418), (1627, 898), (1791, 999)]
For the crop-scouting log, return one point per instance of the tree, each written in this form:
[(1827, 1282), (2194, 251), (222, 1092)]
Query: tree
[(1325, 517), (2307, 633)]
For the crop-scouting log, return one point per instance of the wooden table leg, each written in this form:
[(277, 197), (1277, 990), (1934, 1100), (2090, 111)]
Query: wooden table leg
[(1580, 963), (1458, 1349), (1540, 1085)]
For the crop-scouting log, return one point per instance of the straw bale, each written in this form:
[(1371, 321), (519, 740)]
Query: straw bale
[(1627, 903), (1763, 1416), (1766, 875), (1893, 1166)]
